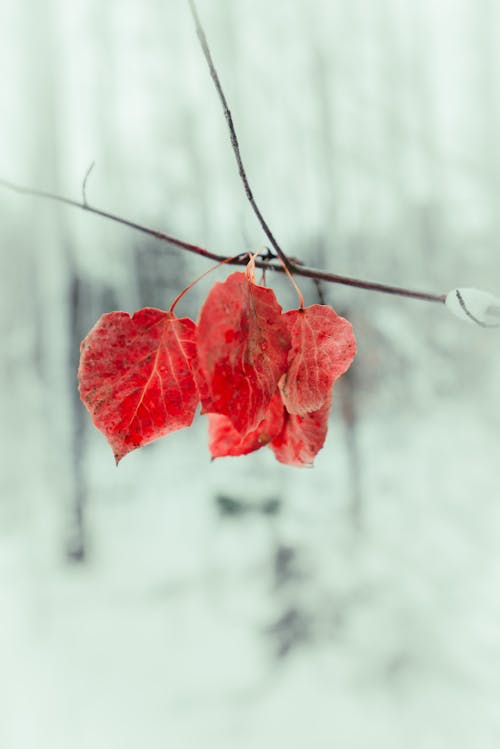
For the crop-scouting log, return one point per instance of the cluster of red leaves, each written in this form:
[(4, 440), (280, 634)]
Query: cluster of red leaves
[(264, 377)]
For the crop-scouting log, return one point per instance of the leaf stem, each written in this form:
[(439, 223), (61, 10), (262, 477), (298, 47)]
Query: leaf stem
[(202, 275), (294, 284)]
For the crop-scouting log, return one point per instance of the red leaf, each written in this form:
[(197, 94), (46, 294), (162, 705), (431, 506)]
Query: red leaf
[(323, 347), (242, 343), (223, 439), (136, 376), (302, 437)]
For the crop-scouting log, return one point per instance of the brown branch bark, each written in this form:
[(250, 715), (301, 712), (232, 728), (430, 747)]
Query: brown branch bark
[(234, 138), (242, 259)]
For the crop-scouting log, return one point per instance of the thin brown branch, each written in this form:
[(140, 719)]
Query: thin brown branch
[(234, 138), (299, 270), (84, 183), (112, 217), (319, 291)]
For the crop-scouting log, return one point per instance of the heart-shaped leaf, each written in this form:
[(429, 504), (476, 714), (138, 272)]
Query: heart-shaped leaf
[(243, 344), (322, 349), (136, 376)]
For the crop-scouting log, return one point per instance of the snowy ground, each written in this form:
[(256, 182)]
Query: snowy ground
[(170, 635)]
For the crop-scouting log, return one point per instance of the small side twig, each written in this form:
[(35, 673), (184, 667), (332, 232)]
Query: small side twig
[(113, 217), (319, 291), (84, 184)]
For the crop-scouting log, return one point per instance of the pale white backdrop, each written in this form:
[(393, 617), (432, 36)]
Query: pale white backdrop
[(354, 604)]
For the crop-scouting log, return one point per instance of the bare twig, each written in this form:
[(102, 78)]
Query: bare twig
[(299, 270), (112, 217), (84, 183), (319, 291), (234, 138)]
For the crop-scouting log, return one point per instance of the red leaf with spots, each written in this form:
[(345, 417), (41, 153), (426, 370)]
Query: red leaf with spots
[(243, 345), (302, 437), (136, 376), (323, 347), (224, 440)]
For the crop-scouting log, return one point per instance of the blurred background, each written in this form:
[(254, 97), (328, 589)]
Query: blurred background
[(177, 603)]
